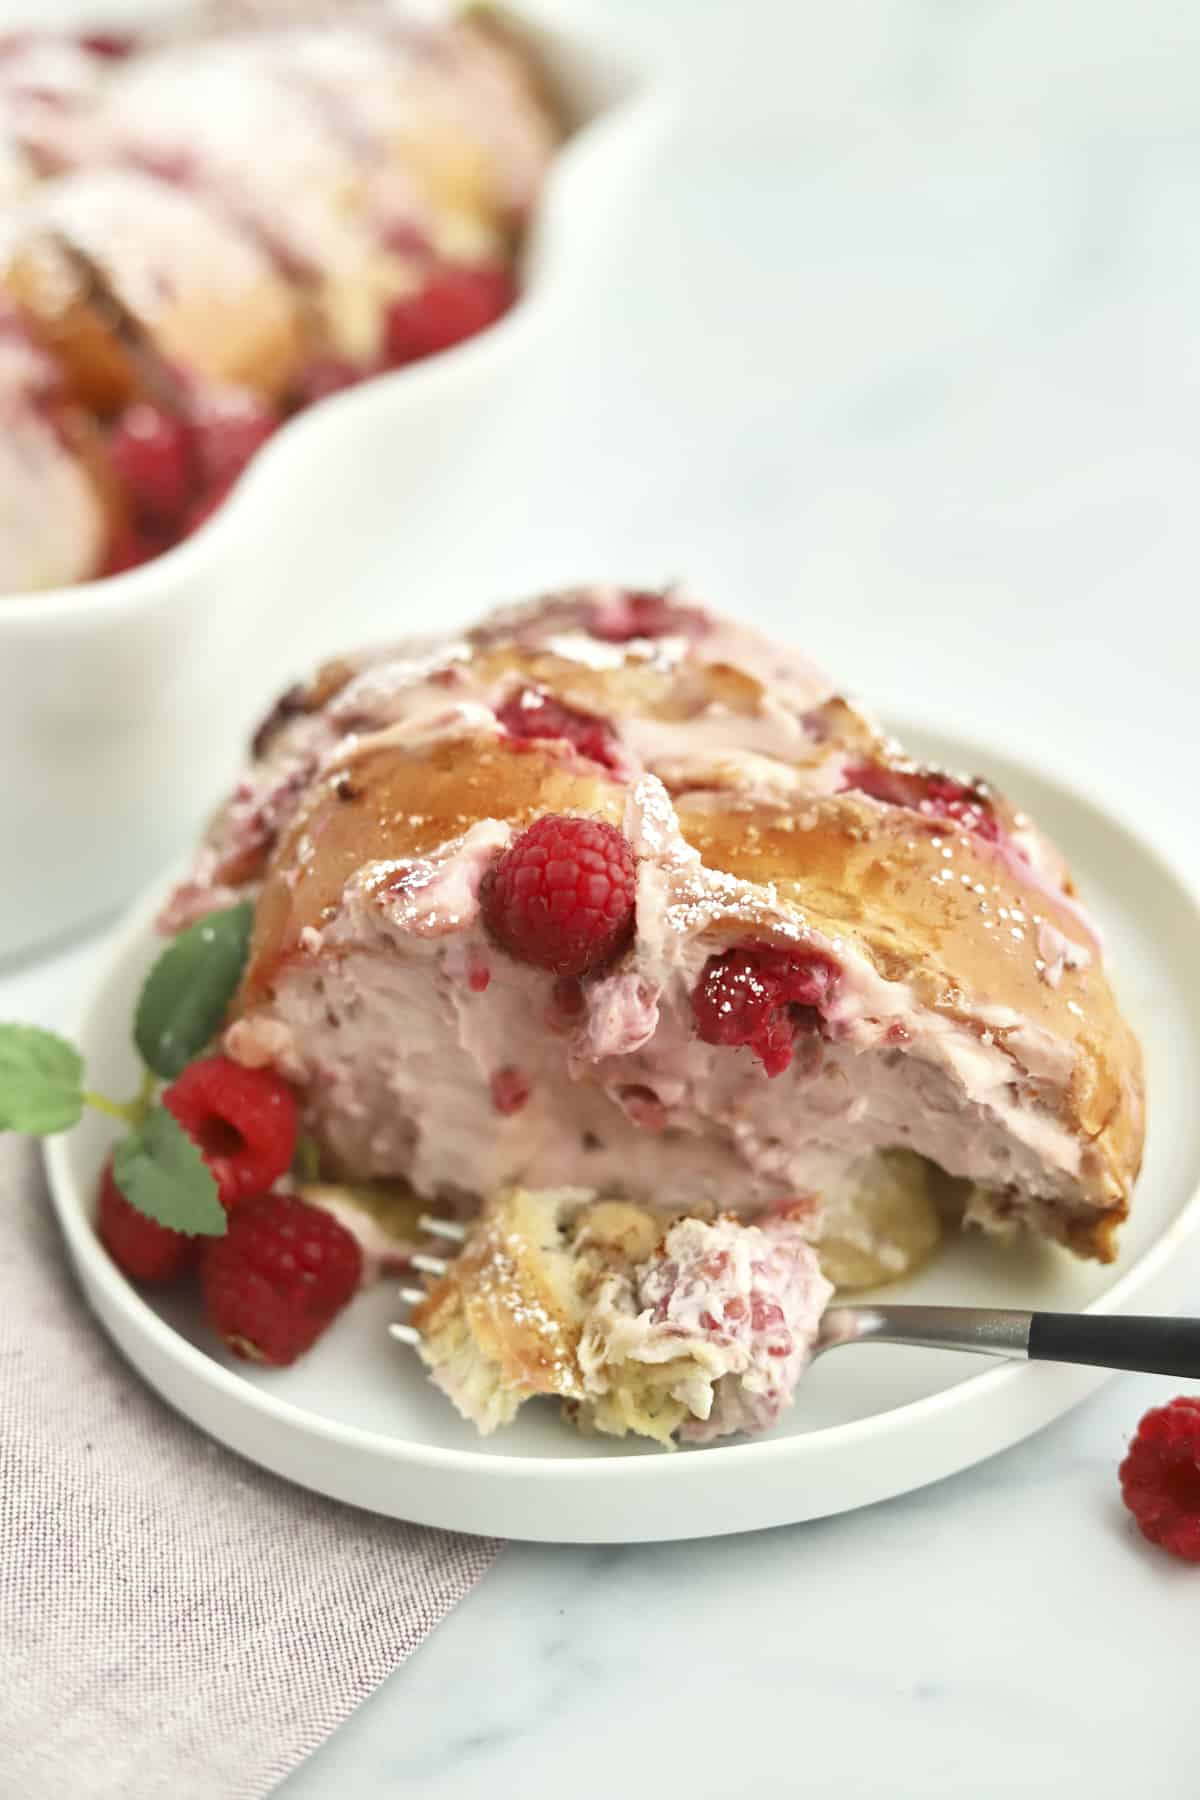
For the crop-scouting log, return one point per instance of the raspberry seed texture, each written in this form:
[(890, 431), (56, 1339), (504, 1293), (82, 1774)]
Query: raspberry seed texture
[(562, 895), (1160, 1477)]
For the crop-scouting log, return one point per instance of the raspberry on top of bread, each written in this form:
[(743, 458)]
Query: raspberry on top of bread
[(610, 892)]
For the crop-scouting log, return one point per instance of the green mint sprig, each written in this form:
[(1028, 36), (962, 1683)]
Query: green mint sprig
[(41, 1081), (161, 1171), (183, 1000)]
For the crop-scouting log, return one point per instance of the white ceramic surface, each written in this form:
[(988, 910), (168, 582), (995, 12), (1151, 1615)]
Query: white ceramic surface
[(357, 1420), (956, 458), (124, 704)]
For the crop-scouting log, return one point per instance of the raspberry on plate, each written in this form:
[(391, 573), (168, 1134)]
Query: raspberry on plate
[(244, 1121), (278, 1277), (141, 1247), (1160, 1477), (562, 895)]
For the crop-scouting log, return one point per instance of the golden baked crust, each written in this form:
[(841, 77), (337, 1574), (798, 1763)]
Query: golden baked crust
[(855, 867), (403, 805), (968, 913), (504, 1324)]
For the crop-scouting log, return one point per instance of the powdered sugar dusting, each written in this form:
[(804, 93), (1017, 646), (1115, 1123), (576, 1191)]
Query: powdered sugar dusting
[(1057, 953), (428, 896), (499, 1287)]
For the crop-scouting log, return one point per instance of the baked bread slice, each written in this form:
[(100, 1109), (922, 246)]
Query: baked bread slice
[(665, 1329), (845, 971)]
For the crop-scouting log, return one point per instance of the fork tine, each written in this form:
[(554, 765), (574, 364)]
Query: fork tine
[(429, 1265), (443, 1228), (413, 1296), (406, 1334)]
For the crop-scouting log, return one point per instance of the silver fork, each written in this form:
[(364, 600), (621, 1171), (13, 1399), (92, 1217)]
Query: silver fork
[(450, 1232), (1148, 1345)]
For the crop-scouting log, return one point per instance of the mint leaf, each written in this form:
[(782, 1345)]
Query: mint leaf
[(160, 1171), (41, 1081), (186, 993)]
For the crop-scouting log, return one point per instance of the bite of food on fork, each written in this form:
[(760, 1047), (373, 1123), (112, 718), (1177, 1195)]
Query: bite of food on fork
[(685, 1332)]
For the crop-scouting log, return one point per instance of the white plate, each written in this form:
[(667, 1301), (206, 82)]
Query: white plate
[(357, 1420)]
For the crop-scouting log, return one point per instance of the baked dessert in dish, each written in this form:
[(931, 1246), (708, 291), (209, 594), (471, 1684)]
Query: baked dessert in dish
[(609, 894), (206, 231), (55, 512)]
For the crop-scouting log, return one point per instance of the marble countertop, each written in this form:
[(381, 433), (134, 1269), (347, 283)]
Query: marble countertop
[(899, 354)]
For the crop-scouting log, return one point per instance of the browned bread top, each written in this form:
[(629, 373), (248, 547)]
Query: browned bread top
[(955, 921)]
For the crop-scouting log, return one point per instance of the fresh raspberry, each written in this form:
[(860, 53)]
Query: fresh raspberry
[(141, 1247), (510, 1091), (1160, 1477), (533, 713), (454, 303), (762, 996), (278, 1277), (638, 614), (151, 455), (229, 430), (933, 795), (562, 895), (244, 1121)]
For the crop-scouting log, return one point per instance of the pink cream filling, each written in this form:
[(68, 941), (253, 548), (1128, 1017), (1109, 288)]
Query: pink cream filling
[(742, 1304), (399, 1054)]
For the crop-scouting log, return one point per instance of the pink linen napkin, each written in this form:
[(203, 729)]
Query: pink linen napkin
[(173, 1621)]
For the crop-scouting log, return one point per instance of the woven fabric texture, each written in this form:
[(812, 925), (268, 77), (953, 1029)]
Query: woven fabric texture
[(173, 1621)]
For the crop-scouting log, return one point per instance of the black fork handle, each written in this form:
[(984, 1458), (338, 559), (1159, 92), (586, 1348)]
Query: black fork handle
[(1117, 1341), (1152, 1346)]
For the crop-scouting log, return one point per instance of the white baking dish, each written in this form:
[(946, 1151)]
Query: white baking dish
[(124, 704)]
